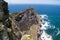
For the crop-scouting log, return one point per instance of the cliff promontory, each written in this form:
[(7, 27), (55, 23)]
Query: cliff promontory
[(21, 25), (25, 23)]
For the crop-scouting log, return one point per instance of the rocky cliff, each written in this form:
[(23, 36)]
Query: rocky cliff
[(4, 20), (25, 23), (22, 25)]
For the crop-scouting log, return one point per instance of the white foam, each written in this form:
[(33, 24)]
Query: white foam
[(45, 36), (44, 16), (45, 25)]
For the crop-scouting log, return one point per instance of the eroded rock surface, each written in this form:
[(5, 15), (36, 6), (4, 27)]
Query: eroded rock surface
[(16, 26), (26, 19), (23, 23)]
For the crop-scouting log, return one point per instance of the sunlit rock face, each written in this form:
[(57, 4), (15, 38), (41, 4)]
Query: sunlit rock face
[(26, 19), (22, 23), (25, 22)]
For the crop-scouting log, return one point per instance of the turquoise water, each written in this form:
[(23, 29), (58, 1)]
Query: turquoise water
[(53, 12)]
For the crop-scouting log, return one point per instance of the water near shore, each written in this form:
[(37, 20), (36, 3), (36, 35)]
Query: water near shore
[(50, 16), (46, 25)]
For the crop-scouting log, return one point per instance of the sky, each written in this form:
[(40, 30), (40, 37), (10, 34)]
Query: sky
[(33, 2)]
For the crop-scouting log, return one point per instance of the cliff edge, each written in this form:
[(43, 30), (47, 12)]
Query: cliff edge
[(22, 25), (25, 23)]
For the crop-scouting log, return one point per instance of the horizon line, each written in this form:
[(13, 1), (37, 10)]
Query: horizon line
[(34, 4)]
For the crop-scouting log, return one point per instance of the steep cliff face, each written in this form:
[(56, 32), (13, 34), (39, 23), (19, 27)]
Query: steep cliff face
[(4, 13), (19, 26), (25, 22), (26, 19), (4, 17)]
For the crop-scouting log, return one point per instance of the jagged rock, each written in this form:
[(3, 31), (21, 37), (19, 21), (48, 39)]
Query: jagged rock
[(3, 32), (3, 10), (25, 22), (19, 24), (4, 19), (26, 19), (7, 23)]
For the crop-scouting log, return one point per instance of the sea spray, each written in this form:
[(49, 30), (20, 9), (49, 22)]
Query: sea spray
[(45, 24)]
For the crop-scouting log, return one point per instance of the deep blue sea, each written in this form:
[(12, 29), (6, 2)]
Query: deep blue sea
[(53, 12)]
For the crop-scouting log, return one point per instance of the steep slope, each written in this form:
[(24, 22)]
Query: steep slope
[(25, 22)]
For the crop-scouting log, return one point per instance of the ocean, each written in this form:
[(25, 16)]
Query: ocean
[(50, 11)]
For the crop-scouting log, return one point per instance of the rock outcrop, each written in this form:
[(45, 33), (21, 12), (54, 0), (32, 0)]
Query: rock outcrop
[(4, 20), (26, 19), (4, 13), (25, 22), (19, 26)]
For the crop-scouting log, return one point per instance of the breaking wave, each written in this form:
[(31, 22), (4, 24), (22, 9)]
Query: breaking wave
[(45, 24)]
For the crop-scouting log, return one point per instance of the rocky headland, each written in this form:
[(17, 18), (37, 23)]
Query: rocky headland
[(23, 25)]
